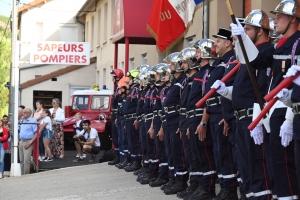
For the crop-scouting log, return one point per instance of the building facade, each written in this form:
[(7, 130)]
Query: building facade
[(51, 21), (99, 32)]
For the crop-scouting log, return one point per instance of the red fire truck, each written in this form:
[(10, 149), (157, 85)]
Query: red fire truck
[(95, 106)]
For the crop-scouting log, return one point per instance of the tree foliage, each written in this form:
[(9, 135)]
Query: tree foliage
[(5, 57)]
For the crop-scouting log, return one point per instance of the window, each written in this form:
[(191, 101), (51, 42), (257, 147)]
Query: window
[(190, 40), (68, 32), (100, 102), (112, 13), (144, 58), (92, 33), (40, 31), (105, 22), (131, 60), (87, 32), (81, 102), (104, 76), (99, 29)]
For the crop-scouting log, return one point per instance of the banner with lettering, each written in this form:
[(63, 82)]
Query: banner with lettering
[(169, 19)]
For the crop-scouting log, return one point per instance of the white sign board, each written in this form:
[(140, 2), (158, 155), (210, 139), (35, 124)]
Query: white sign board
[(71, 53)]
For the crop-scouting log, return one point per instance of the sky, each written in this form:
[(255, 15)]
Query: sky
[(6, 6)]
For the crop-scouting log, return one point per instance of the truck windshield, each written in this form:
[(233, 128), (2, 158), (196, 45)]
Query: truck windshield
[(100, 103), (81, 102)]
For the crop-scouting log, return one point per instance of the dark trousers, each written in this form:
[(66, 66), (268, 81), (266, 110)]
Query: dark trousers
[(189, 158), (223, 154), (235, 153), (297, 158), (203, 156), (151, 150), (143, 143), (133, 141), (177, 152), (115, 135), (167, 141), (160, 150), (123, 149), (282, 159), (252, 164)]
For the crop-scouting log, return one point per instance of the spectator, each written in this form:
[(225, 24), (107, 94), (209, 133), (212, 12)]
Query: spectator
[(20, 113), (3, 145), (28, 134), (91, 143), (46, 133), (38, 116), (78, 127), (58, 117), (7, 157)]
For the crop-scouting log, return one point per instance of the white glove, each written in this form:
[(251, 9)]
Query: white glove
[(283, 95), (220, 86), (257, 134), (237, 29), (286, 132), (292, 72)]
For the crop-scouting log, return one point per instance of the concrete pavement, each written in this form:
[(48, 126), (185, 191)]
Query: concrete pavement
[(95, 181)]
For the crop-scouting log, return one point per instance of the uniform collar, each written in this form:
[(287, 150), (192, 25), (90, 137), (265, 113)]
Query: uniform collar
[(286, 42), (261, 43)]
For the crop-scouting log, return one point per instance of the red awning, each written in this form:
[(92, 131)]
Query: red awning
[(130, 20)]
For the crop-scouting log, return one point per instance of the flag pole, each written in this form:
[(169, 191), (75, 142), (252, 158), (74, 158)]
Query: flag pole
[(249, 68)]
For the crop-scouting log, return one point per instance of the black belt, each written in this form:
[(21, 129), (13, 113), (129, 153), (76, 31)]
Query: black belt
[(171, 109), (182, 111), (157, 113), (148, 116), (130, 116), (296, 108), (140, 117), (213, 101), (194, 113), (243, 113), (163, 118)]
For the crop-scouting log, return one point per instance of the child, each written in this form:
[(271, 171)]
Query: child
[(78, 127), (46, 133)]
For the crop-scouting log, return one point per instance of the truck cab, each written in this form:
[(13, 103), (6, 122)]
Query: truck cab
[(95, 106)]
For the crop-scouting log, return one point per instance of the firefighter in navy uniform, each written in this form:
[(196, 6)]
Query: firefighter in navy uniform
[(129, 111), (201, 143), (119, 123), (171, 107), (116, 74), (222, 147), (164, 131), (187, 58), (162, 177), (280, 57), (150, 142), (140, 123)]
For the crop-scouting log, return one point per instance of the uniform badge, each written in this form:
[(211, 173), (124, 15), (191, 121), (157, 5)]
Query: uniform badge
[(268, 71)]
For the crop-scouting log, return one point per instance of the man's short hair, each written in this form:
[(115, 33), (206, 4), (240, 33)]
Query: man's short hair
[(5, 116), (86, 122), (21, 106)]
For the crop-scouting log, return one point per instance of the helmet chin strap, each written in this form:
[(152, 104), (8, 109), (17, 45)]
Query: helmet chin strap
[(288, 26)]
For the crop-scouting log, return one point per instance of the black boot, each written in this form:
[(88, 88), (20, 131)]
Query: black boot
[(116, 160), (243, 197), (178, 187), (226, 195), (188, 192), (143, 174), (158, 182), (147, 179), (141, 170), (123, 164), (128, 165), (171, 183), (135, 166), (201, 194)]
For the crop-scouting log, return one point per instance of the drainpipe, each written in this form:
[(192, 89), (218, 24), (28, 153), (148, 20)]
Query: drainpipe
[(205, 32), (83, 29)]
